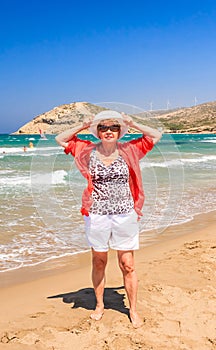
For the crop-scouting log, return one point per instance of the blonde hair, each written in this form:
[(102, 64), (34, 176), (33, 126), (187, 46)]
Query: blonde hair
[(104, 121)]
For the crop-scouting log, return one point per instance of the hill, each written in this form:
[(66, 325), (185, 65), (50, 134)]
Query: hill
[(196, 119), (59, 118)]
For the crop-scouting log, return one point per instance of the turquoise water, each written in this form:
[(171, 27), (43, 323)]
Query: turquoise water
[(40, 194)]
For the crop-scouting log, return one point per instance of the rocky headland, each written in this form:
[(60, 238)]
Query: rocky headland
[(196, 119)]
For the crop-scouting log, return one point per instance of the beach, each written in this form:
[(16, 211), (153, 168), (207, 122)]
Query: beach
[(46, 294), (176, 299)]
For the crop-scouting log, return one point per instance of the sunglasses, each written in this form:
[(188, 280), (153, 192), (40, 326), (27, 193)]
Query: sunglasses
[(104, 128)]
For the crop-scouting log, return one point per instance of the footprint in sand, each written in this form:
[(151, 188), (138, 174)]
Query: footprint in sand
[(193, 245)]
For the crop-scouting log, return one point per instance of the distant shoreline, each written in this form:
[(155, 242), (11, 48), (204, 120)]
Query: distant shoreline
[(134, 133)]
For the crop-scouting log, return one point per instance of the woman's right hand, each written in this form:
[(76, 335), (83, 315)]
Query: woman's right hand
[(63, 138), (87, 121)]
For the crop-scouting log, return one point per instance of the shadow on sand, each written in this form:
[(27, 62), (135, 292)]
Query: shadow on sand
[(85, 298)]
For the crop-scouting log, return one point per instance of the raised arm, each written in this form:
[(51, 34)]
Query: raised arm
[(146, 130), (63, 138)]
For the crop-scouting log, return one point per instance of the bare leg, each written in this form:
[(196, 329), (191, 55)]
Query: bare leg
[(99, 261), (126, 263)]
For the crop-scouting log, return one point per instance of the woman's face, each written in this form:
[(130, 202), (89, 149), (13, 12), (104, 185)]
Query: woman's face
[(109, 130)]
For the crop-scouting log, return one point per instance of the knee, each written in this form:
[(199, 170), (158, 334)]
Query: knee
[(126, 267), (98, 263)]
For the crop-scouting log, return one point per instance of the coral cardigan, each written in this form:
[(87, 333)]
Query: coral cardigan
[(131, 152)]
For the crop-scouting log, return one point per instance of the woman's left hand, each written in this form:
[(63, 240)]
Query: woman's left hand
[(127, 119)]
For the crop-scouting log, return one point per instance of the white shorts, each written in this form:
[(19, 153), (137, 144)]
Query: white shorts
[(117, 231)]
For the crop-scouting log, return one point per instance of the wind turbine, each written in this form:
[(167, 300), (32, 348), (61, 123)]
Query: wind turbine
[(151, 106), (168, 104), (195, 101)]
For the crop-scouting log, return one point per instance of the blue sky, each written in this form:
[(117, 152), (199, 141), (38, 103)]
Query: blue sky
[(135, 52)]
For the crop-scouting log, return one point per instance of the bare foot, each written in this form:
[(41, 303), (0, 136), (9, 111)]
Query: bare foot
[(97, 314), (135, 320)]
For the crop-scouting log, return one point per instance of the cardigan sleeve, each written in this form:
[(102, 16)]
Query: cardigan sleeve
[(143, 145), (76, 145)]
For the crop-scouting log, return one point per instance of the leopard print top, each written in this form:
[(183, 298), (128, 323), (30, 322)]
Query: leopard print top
[(111, 194)]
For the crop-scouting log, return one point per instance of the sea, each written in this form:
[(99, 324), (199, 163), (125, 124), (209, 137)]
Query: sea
[(40, 194)]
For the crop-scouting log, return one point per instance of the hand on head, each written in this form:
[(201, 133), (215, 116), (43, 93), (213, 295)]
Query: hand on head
[(87, 121), (127, 119)]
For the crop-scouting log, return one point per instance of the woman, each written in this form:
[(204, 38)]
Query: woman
[(113, 199)]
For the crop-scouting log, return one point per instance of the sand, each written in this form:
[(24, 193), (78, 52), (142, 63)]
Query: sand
[(48, 309)]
